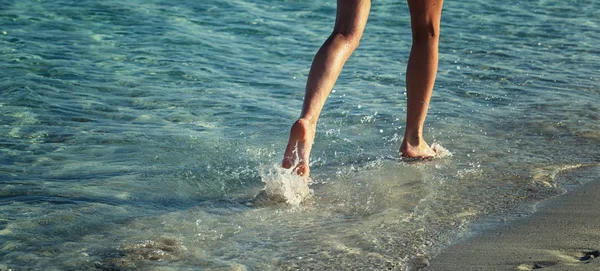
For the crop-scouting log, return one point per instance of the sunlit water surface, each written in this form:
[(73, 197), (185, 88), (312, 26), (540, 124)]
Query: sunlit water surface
[(135, 134)]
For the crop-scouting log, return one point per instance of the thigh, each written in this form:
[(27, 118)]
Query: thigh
[(426, 12), (351, 17)]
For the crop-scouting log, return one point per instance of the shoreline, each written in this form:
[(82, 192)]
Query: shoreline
[(562, 234)]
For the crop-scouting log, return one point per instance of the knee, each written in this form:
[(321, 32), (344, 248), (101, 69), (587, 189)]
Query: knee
[(346, 40), (424, 30)]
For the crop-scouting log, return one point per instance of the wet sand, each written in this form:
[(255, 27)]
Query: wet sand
[(563, 234)]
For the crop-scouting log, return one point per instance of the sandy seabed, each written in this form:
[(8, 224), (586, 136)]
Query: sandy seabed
[(563, 234)]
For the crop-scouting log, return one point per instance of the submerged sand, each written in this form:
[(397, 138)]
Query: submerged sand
[(563, 234)]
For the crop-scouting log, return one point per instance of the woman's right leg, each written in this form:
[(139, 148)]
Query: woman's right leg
[(350, 22), (425, 18)]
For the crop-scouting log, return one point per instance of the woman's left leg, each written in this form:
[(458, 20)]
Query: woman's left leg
[(350, 23)]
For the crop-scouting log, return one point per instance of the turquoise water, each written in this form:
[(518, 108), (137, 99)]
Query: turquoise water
[(134, 133)]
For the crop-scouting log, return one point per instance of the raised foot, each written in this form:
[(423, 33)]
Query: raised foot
[(297, 152), (420, 150)]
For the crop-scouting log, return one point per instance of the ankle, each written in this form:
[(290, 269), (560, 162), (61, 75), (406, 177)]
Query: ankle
[(308, 121), (414, 139)]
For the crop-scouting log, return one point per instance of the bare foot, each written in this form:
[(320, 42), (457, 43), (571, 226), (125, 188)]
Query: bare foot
[(297, 152), (419, 150)]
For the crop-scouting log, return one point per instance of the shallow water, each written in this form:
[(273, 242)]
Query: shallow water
[(134, 134)]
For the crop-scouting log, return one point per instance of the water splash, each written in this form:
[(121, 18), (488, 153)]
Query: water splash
[(281, 185), (440, 151)]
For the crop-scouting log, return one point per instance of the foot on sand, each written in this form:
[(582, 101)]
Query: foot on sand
[(297, 152), (419, 149)]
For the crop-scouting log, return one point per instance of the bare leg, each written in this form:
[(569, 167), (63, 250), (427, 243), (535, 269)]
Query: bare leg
[(350, 22), (420, 75)]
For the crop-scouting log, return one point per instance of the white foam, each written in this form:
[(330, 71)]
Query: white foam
[(440, 151), (281, 185)]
